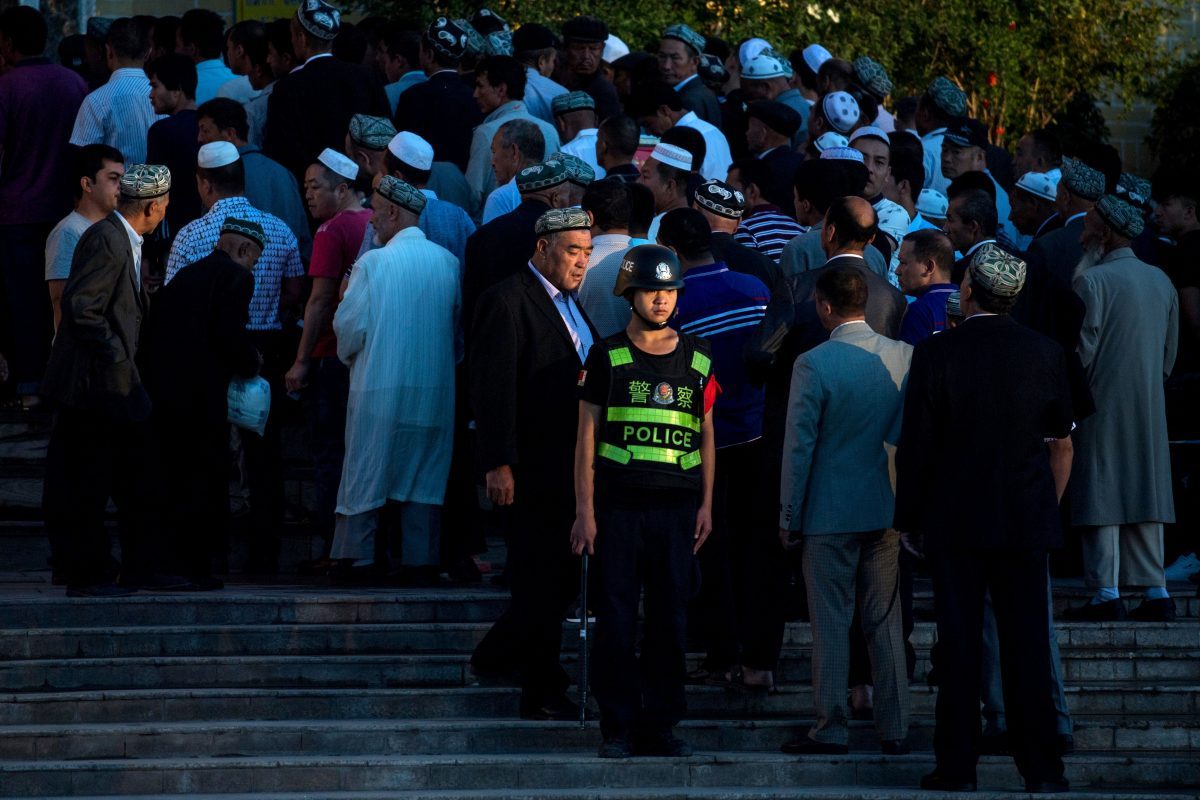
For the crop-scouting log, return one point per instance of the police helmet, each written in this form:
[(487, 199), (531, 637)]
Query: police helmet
[(650, 267)]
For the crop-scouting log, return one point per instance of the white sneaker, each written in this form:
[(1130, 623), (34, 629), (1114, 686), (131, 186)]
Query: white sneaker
[(1183, 568)]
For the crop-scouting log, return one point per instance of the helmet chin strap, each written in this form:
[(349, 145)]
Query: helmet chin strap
[(654, 326)]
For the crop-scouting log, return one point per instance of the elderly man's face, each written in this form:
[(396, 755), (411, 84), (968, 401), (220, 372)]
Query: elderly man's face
[(1095, 232), (757, 135), (583, 58), (676, 61), (754, 90), (505, 160), (563, 258), (961, 234)]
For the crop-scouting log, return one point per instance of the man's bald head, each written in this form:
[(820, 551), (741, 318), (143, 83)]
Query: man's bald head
[(850, 225)]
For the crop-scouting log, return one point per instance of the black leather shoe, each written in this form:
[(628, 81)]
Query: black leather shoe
[(808, 746), (665, 745), (615, 748), (1108, 611), (1160, 610), (554, 708), (936, 782), (156, 583), (100, 590), (1057, 786), (895, 747)]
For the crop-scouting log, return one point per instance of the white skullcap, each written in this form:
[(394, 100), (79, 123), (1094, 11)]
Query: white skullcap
[(614, 48), (893, 220), (830, 139), (763, 67), (338, 163), (870, 130), (672, 156), (932, 204), (815, 55), (1040, 184), (750, 50), (842, 154), (412, 150), (841, 109), (216, 154)]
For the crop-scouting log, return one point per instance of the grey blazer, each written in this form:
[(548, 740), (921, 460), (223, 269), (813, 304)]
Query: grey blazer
[(843, 423), (92, 365)]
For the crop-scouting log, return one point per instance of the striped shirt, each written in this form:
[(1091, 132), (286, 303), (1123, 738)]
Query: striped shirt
[(118, 114), (280, 259), (725, 307), (768, 230)]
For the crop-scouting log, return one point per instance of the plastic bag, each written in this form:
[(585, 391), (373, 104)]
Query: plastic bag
[(249, 403)]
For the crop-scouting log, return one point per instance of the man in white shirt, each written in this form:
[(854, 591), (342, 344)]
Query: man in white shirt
[(575, 118), (661, 108), (201, 37), (536, 47), (941, 104)]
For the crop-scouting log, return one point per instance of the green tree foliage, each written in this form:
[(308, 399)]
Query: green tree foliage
[(1175, 129), (1021, 61)]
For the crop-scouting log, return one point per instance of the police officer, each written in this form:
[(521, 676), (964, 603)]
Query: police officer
[(644, 462)]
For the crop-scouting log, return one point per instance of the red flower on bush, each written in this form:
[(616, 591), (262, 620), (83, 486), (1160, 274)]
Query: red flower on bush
[(991, 79)]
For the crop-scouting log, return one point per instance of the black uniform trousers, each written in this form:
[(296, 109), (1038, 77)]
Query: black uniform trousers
[(1017, 580), (544, 579), (194, 455), (739, 608), (91, 458), (642, 544)]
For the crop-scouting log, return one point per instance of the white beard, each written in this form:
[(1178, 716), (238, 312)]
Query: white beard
[(1090, 258)]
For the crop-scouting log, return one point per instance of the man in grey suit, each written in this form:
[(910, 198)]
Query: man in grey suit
[(101, 424), (836, 502)]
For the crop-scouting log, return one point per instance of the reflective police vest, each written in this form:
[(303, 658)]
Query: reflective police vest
[(651, 423)]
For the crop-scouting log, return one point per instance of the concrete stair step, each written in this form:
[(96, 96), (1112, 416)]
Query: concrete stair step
[(318, 775), (416, 637), (639, 793), (706, 702), (237, 738)]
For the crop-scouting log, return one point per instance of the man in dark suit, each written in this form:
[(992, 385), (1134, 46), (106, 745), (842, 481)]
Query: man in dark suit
[(679, 54), (529, 342), (196, 342), (99, 442), (503, 246), (1059, 251), (722, 207), (983, 400), (442, 110), (310, 108), (771, 125)]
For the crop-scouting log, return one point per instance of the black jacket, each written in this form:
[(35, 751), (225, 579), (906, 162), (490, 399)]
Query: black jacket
[(196, 339), (972, 468), (310, 109), (699, 98), (498, 249), (745, 260), (523, 375), (443, 112), (784, 161), (91, 366)]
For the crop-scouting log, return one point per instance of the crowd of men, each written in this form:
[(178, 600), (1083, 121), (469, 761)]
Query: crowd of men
[(704, 313)]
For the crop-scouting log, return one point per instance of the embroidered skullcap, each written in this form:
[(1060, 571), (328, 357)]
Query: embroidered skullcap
[(686, 35), (402, 194), (712, 70), (97, 27), (498, 43), (842, 154), (872, 76), (532, 36), (251, 230), (447, 37), (1124, 219), (893, 220), (954, 305), (338, 163), (578, 171), (557, 220), (721, 199), (411, 149), (815, 55), (545, 175), (872, 132), (841, 109), (830, 139), (319, 18), (586, 29), (373, 133), (932, 204), (779, 117), (750, 50), (614, 48), (946, 95), (216, 154), (572, 101), (672, 156), (487, 22), (1134, 190), (968, 133), (764, 66), (1039, 184), (144, 181), (1082, 180), (475, 45), (997, 271)]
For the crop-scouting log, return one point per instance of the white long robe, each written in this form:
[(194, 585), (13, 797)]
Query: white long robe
[(395, 330)]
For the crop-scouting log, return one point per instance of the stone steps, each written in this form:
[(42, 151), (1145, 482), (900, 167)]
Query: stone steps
[(430, 637), (548, 772), (690, 793), (161, 706), (494, 736)]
